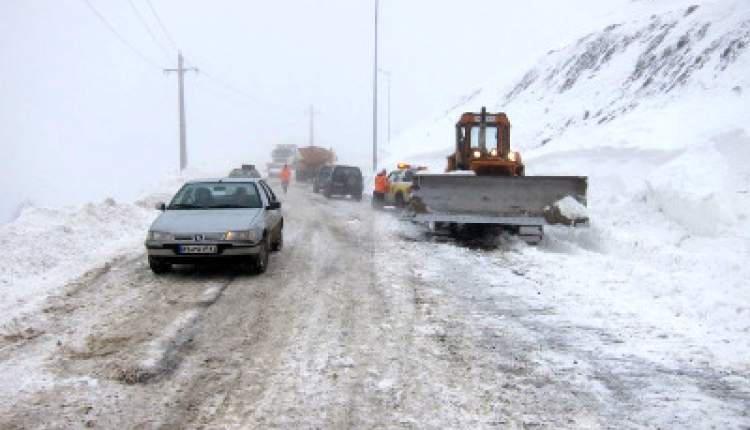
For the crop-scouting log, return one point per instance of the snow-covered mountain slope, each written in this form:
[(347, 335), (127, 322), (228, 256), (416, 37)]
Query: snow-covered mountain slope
[(654, 110), (693, 54), (655, 106)]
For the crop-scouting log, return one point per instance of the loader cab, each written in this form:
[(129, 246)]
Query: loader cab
[(483, 145)]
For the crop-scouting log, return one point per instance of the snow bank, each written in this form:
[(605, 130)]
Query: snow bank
[(706, 189), (45, 248)]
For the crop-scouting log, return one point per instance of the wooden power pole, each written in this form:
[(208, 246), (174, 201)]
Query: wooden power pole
[(181, 69), (312, 125), (375, 97)]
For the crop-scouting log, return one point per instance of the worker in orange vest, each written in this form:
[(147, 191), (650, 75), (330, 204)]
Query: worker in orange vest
[(381, 187), (286, 176)]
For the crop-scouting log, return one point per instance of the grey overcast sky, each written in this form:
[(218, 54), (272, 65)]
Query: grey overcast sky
[(84, 117)]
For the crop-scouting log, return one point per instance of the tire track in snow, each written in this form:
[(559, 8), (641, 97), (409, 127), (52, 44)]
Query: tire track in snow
[(163, 354)]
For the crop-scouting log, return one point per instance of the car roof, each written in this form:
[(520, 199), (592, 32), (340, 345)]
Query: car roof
[(227, 180)]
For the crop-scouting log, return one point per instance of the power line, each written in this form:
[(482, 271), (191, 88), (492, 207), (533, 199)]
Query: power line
[(217, 80), (211, 77), (229, 87), (161, 24), (167, 54), (223, 83), (119, 36)]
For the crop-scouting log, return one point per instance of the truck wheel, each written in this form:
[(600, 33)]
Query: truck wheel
[(158, 266), (327, 193), (357, 197), (400, 202)]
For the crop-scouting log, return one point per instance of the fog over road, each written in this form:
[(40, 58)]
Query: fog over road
[(359, 323)]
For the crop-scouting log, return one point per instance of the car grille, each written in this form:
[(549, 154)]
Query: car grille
[(204, 236)]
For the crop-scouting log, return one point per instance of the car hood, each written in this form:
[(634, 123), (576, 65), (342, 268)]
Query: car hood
[(205, 220)]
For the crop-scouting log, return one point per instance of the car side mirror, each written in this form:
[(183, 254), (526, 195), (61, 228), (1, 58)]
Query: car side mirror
[(161, 206), (273, 206)]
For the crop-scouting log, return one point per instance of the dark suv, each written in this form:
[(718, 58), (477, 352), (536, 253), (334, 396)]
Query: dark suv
[(343, 181), (321, 177)]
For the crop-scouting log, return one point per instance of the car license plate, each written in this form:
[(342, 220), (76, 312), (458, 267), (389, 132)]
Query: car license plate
[(197, 249)]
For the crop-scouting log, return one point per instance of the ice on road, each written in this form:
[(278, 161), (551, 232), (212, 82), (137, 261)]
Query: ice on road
[(362, 322)]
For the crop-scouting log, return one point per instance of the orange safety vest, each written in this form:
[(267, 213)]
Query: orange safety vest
[(286, 174), (381, 184)]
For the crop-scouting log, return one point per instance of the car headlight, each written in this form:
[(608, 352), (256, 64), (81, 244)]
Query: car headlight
[(244, 235), (477, 154), (159, 235), (493, 152)]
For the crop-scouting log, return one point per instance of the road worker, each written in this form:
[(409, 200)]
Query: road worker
[(381, 188), (286, 176)]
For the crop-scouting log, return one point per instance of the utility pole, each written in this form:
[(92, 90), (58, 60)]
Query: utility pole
[(181, 105), (388, 102), (312, 125), (375, 98)]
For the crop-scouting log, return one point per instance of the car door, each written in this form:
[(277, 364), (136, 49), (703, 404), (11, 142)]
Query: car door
[(393, 179), (273, 216)]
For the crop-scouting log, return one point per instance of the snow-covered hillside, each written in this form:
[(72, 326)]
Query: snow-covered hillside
[(684, 60), (654, 110)]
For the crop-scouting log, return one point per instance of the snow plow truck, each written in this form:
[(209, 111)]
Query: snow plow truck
[(485, 185), (280, 155)]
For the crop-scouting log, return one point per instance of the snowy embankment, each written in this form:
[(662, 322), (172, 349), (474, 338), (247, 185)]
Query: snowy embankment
[(45, 248), (654, 111)]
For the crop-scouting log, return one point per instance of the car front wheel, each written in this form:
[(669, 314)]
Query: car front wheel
[(279, 243), (158, 266), (260, 261)]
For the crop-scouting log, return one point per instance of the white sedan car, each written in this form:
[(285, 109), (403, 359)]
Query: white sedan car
[(231, 219)]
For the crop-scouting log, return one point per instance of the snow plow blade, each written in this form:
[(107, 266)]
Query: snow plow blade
[(504, 200)]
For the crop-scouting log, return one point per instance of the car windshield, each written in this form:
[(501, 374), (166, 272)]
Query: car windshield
[(217, 195), (342, 173)]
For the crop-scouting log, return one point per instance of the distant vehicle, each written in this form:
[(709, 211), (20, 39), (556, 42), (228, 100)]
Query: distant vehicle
[(237, 220), (321, 178), (344, 181), (311, 159), (246, 171), (280, 155), (400, 184)]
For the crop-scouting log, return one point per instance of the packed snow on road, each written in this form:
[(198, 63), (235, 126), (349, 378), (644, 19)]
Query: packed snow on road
[(638, 318)]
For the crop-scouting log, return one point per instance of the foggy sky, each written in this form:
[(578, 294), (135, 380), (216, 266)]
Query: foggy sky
[(82, 117)]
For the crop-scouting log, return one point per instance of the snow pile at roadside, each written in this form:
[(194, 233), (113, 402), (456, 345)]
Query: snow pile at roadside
[(45, 248), (571, 209)]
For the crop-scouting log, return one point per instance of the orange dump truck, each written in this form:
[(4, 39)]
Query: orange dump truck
[(312, 158)]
